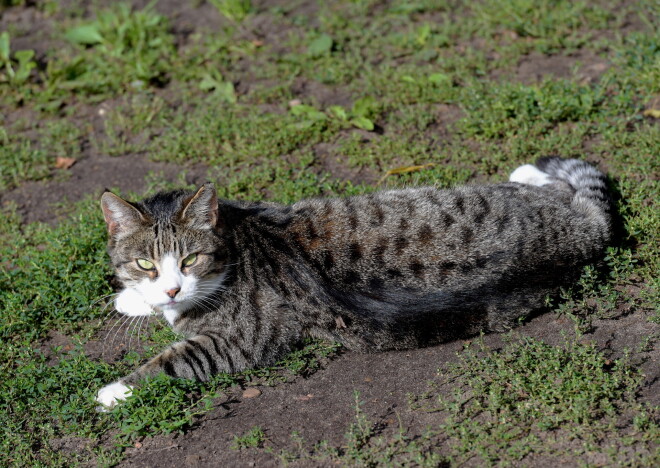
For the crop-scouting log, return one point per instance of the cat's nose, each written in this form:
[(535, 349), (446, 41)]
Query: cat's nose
[(172, 292)]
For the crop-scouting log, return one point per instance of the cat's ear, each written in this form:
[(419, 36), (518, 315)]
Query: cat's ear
[(201, 210), (120, 216)]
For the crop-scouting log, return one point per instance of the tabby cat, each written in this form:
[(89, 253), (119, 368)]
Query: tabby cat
[(246, 282)]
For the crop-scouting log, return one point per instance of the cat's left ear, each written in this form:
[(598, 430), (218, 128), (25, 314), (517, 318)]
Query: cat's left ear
[(201, 211), (121, 217)]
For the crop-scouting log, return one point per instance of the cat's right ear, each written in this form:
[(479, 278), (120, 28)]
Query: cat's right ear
[(120, 216)]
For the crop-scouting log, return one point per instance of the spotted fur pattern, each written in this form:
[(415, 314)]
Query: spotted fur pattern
[(390, 270)]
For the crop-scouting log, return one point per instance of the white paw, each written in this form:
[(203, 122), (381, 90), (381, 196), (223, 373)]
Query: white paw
[(129, 302), (530, 175), (109, 395)]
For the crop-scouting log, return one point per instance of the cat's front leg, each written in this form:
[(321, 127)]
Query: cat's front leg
[(111, 394), (197, 358), (130, 302)]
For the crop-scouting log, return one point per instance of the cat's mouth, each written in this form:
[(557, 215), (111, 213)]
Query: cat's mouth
[(168, 305)]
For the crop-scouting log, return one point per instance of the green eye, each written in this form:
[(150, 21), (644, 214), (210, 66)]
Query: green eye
[(145, 264), (189, 260)]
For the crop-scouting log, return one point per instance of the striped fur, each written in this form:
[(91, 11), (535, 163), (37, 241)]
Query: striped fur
[(389, 270)]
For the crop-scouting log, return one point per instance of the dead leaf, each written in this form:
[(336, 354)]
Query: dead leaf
[(64, 163), (307, 397), (251, 392), (655, 113), (340, 322), (295, 102), (137, 445), (404, 170), (510, 34), (257, 42)]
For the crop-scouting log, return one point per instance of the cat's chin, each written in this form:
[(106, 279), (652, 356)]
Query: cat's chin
[(171, 314), (172, 310)]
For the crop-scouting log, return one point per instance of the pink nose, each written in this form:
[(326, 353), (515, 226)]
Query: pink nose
[(172, 292)]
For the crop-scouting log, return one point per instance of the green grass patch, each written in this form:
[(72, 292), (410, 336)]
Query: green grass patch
[(507, 109), (20, 160), (531, 397), (556, 21), (120, 49)]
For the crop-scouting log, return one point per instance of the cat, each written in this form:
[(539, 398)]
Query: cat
[(246, 282)]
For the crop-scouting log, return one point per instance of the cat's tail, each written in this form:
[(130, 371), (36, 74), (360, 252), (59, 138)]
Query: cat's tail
[(591, 195)]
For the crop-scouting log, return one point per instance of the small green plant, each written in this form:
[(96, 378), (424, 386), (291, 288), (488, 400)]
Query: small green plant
[(129, 126), (321, 45), (233, 10), (17, 69), (225, 134), (253, 438), (61, 139), (360, 432), (360, 115), (214, 81)]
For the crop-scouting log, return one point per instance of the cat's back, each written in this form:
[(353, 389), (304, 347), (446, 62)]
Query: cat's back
[(422, 237)]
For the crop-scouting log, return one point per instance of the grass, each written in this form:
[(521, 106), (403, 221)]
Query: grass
[(20, 161), (515, 396), (121, 48), (293, 101)]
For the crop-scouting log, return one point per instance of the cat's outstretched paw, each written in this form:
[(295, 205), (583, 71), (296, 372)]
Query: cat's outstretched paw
[(111, 394), (129, 302)]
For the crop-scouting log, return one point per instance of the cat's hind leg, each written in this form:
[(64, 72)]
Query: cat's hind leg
[(530, 175)]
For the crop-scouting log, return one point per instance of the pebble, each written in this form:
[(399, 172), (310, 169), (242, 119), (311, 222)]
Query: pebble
[(251, 392)]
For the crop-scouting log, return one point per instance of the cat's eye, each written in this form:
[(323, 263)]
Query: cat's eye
[(145, 264), (189, 260)]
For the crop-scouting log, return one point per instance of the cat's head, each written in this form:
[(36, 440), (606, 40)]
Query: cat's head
[(168, 248)]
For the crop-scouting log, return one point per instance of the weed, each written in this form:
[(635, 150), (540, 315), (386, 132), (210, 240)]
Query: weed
[(129, 127), (255, 437), (360, 115), (17, 69), (213, 81), (233, 135), (234, 10)]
